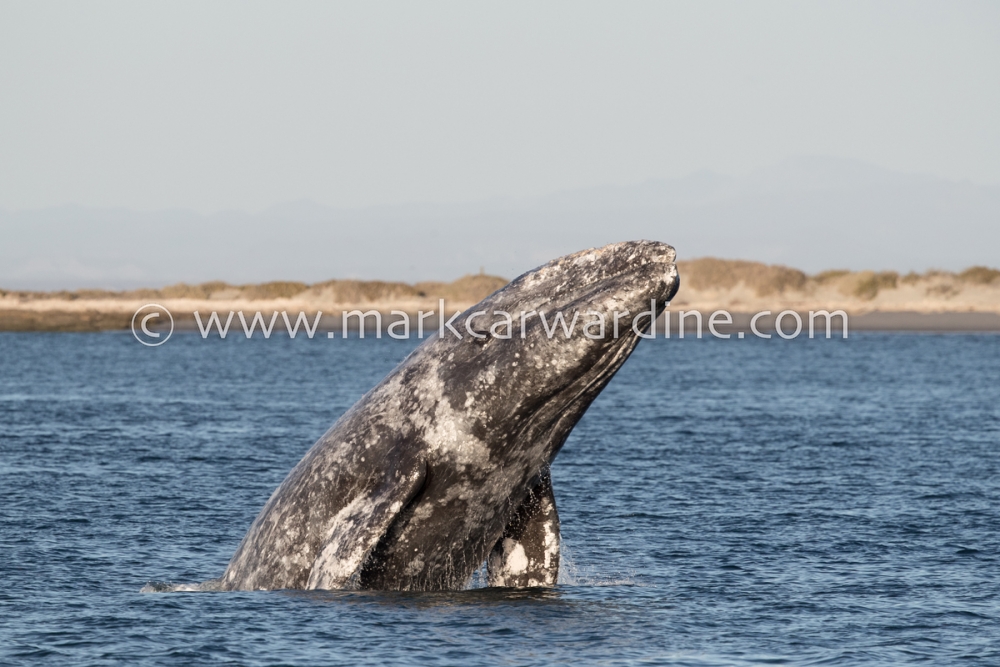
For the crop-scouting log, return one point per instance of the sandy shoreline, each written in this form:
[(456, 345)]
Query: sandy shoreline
[(89, 319), (935, 301)]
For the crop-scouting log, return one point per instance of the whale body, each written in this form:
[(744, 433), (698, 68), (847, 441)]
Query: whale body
[(444, 465)]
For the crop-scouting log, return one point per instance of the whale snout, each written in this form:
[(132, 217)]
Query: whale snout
[(647, 265), (629, 272), (656, 252), (629, 256)]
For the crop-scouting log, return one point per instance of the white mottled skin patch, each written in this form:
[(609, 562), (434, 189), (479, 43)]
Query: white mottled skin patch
[(335, 563), (516, 561), (481, 418), (529, 556)]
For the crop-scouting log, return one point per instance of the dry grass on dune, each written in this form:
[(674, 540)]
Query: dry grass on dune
[(866, 284), (218, 289), (185, 291), (362, 291), (710, 273), (274, 290), (722, 274), (469, 288), (707, 283), (980, 275), (707, 274)]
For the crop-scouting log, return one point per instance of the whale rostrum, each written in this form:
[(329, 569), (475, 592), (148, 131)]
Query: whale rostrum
[(444, 465)]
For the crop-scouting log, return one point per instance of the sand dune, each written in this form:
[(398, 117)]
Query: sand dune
[(707, 285)]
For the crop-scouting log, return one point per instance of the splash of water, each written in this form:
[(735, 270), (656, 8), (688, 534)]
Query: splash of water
[(573, 574), (168, 587)]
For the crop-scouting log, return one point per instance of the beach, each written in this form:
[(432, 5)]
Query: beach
[(881, 301)]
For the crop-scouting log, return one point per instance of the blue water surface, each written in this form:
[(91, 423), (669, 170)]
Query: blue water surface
[(806, 502)]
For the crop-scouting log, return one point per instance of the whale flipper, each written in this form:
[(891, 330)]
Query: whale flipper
[(527, 554), (359, 527)]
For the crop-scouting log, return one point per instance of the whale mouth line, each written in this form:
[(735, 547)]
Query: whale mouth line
[(600, 374)]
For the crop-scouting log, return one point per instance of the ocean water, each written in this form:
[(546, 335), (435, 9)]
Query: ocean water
[(804, 502)]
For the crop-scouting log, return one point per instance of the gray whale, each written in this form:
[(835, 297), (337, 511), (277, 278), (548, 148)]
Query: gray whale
[(444, 465)]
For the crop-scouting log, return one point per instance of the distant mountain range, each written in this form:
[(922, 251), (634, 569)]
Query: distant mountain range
[(813, 213)]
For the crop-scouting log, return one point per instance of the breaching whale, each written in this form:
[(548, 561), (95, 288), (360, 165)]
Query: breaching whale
[(444, 465)]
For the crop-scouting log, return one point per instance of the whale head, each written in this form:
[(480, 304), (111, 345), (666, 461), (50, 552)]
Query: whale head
[(533, 355)]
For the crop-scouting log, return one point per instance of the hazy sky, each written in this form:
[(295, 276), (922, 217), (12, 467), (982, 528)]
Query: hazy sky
[(242, 105)]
